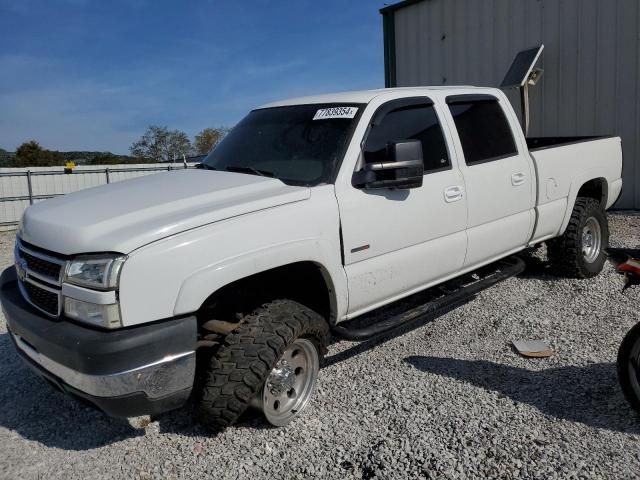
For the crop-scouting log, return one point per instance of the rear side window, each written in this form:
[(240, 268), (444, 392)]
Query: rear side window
[(483, 129), (412, 122)]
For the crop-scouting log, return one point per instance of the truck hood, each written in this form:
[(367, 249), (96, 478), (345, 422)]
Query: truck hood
[(123, 216)]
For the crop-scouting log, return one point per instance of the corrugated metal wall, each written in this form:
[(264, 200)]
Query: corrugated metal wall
[(591, 83)]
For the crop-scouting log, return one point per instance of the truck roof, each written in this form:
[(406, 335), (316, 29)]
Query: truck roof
[(365, 96)]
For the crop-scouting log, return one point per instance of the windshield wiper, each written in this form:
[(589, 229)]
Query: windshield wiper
[(205, 166), (250, 170)]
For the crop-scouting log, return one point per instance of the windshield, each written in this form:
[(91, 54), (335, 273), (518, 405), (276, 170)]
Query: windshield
[(300, 145)]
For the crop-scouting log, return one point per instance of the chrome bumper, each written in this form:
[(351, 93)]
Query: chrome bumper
[(159, 379)]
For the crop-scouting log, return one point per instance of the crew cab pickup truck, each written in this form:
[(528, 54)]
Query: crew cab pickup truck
[(221, 285)]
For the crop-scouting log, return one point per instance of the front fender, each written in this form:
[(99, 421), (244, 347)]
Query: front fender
[(199, 286), (174, 276)]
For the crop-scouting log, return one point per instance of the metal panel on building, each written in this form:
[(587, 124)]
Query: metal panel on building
[(591, 61)]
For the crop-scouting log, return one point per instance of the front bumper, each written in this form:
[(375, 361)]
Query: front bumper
[(128, 372)]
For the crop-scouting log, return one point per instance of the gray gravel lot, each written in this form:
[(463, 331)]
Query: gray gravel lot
[(448, 400)]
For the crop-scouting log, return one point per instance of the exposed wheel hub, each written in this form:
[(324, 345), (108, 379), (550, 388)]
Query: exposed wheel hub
[(591, 240), (281, 379), (291, 383)]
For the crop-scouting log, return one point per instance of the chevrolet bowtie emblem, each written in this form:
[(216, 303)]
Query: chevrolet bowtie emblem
[(21, 269)]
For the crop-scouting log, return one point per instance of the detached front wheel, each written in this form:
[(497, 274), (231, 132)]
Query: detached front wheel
[(270, 361), (580, 251)]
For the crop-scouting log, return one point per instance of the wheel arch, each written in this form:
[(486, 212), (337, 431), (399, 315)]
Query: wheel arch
[(589, 185), (306, 282), (596, 188), (239, 285)]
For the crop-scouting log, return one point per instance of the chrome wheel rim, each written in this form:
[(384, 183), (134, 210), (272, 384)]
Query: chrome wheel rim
[(591, 240), (291, 383)]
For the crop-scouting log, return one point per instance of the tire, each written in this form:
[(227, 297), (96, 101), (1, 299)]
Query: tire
[(580, 251), (629, 367), (235, 375)]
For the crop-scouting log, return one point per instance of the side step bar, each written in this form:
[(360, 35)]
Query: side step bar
[(451, 296)]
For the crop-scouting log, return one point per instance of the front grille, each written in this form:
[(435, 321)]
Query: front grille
[(42, 266), (40, 275), (41, 298)]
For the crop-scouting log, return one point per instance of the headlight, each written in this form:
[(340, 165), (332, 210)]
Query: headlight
[(95, 272), (105, 316)]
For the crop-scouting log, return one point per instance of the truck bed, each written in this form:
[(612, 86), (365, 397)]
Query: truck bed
[(539, 143), (563, 165)]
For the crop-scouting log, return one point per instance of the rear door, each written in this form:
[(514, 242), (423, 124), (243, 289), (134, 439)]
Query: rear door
[(396, 241), (498, 175)]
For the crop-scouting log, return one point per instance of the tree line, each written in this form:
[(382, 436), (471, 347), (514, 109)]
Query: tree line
[(158, 144), (32, 154)]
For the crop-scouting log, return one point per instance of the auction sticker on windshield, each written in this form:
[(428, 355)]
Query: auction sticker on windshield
[(335, 112)]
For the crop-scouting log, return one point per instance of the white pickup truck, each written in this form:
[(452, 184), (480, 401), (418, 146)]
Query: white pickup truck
[(221, 285)]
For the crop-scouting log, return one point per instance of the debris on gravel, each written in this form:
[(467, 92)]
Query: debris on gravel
[(450, 399)]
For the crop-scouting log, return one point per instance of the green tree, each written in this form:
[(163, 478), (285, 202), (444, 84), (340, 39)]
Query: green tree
[(31, 154), (178, 144), (207, 139), (161, 144)]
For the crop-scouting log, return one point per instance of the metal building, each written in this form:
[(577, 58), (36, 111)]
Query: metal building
[(591, 61)]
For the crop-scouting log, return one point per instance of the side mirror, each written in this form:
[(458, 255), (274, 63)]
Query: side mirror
[(403, 168)]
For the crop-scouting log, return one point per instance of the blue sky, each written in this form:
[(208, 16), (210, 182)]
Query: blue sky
[(93, 74)]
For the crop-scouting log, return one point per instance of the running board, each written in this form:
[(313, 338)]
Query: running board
[(445, 297)]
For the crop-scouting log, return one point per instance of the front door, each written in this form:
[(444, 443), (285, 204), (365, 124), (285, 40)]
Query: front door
[(397, 241)]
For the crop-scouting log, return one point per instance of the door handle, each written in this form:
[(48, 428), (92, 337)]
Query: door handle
[(453, 194), (518, 179)]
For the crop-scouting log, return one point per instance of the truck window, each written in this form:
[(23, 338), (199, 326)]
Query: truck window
[(483, 129), (298, 144), (415, 122)]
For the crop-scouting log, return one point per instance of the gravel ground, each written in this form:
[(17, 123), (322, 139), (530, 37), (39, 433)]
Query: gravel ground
[(450, 399)]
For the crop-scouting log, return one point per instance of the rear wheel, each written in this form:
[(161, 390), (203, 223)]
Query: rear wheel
[(580, 251), (270, 361)]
